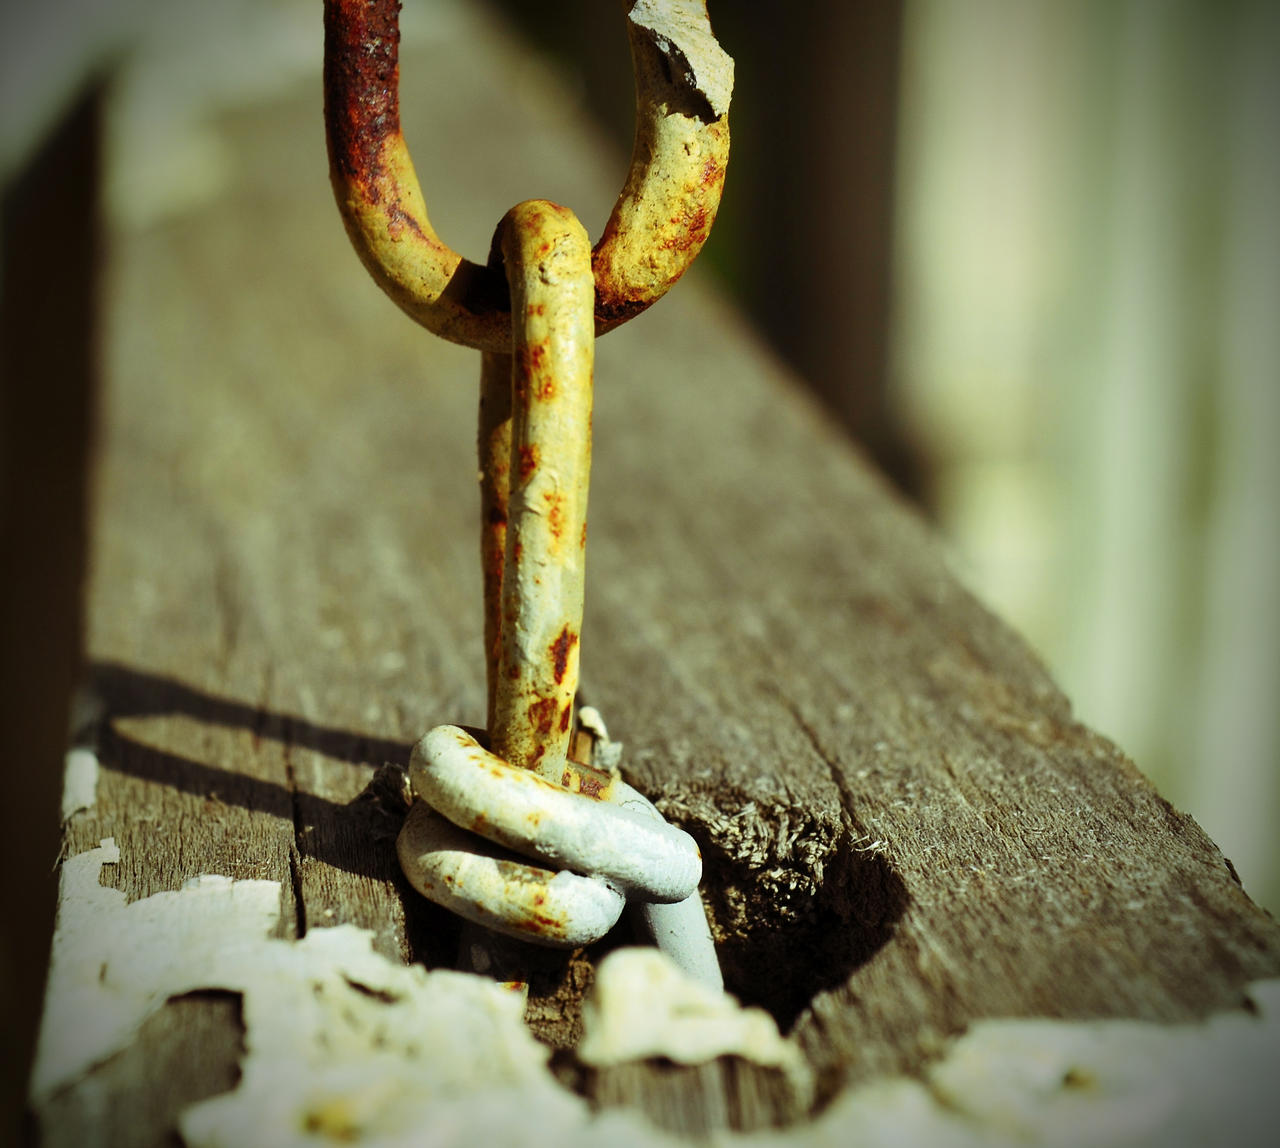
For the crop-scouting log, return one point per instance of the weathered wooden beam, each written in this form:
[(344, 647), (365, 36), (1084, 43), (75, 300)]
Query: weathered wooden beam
[(905, 831)]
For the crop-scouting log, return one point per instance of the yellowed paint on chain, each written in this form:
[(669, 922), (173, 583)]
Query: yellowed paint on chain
[(658, 226), (548, 264), (494, 451)]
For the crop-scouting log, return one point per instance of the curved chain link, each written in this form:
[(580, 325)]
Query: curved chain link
[(662, 217)]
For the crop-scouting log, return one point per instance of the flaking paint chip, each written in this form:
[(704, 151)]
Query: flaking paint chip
[(642, 1005)]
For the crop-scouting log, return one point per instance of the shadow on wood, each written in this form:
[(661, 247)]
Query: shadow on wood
[(775, 956), (127, 692), (357, 836)]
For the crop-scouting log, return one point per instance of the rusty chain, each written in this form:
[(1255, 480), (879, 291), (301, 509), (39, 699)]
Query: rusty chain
[(480, 810), (662, 217)]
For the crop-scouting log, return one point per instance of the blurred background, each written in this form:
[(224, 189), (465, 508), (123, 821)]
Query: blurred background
[(1026, 251)]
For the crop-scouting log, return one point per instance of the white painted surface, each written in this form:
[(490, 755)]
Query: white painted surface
[(79, 782), (643, 1005), (340, 1043)]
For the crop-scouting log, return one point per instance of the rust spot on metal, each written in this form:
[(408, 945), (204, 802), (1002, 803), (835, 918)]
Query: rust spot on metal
[(559, 650), (689, 230), (590, 786), (542, 715), (564, 719), (516, 872), (531, 367), (528, 464), (536, 309), (361, 81), (477, 826), (547, 389), (555, 513), (398, 220), (613, 309), (539, 923), (580, 777), (533, 356), (582, 543)]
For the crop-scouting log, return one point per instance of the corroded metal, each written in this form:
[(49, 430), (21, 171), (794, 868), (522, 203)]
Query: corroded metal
[(548, 264), (481, 883), (658, 226), (664, 214), (377, 188), (494, 451), (614, 834)]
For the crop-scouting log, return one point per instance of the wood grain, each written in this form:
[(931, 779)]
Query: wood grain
[(905, 829)]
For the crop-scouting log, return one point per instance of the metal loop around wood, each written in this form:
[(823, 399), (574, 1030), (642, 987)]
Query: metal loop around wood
[(596, 846)]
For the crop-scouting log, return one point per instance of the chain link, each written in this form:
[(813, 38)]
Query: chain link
[(659, 223)]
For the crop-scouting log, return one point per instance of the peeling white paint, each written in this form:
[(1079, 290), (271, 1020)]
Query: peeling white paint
[(113, 964), (79, 782), (342, 1044), (80, 766), (605, 753), (1060, 1084), (642, 1005), (682, 34), (1121, 1082)]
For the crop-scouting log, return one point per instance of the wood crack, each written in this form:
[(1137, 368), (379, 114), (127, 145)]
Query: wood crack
[(829, 760), (295, 813)]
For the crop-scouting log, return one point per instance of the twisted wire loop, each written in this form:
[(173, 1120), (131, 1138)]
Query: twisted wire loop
[(597, 846)]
